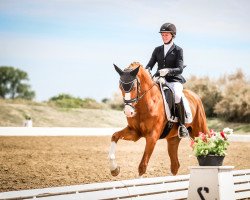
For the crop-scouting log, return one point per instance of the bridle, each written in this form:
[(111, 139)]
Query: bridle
[(138, 96)]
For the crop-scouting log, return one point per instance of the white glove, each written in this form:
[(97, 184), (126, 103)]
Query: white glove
[(164, 72), (161, 80)]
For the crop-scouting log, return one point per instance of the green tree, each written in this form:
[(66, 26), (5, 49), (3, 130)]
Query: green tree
[(13, 84)]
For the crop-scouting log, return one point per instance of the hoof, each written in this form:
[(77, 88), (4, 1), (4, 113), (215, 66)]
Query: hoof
[(116, 171), (174, 171)]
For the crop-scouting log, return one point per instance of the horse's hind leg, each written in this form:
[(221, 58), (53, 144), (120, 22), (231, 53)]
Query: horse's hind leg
[(125, 134), (199, 123), (173, 144)]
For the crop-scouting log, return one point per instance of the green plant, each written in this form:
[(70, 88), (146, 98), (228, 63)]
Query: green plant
[(214, 143)]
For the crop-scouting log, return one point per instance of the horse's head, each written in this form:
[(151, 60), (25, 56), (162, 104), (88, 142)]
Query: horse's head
[(130, 86)]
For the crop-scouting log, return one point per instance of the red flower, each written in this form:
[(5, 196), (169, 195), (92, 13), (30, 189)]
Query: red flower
[(223, 135), (192, 143), (212, 132), (203, 136)]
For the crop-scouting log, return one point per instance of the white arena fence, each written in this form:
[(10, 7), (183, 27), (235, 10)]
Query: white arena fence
[(168, 187), (69, 131)]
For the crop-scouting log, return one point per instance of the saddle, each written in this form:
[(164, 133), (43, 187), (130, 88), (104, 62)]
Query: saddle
[(171, 110)]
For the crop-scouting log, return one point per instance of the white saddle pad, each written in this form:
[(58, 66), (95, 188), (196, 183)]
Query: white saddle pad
[(188, 116)]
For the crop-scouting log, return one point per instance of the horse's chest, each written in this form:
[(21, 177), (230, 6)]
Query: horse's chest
[(143, 127), (137, 125)]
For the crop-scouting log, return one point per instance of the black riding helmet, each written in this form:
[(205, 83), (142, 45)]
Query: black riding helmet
[(168, 27)]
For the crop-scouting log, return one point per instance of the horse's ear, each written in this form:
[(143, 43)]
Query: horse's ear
[(135, 71), (120, 72)]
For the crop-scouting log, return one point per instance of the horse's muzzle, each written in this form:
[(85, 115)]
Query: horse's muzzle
[(129, 111)]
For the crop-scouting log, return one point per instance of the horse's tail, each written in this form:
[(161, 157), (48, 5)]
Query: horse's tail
[(201, 112)]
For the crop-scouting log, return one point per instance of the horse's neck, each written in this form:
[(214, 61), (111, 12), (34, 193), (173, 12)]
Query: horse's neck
[(148, 105), (146, 84), (145, 81)]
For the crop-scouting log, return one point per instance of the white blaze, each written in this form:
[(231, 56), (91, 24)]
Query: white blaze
[(128, 110), (127, 96)]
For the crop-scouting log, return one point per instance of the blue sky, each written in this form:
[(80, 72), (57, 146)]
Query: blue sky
[(69, 46)]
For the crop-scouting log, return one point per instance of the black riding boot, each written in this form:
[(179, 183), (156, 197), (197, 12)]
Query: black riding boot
[(183, 132)]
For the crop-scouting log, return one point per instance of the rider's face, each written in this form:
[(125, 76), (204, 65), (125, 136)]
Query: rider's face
[(166, 37)]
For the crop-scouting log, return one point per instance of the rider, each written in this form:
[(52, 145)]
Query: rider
[(169, 58)]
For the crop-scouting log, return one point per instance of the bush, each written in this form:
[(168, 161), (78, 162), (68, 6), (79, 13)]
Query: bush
[(68, 101), (208, 91), (235, 105), (116, 102), (91, 103)]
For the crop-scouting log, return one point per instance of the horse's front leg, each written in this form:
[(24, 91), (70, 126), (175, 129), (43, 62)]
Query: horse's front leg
[(150, 145), (125, 134)]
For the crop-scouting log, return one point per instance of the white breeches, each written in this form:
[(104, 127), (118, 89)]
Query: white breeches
[(177, 88)]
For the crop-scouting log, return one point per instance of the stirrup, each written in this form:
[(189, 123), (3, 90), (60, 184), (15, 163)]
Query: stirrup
[(184, 134)]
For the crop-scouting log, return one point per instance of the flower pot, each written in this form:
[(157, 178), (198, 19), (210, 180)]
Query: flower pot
[(210, 160)]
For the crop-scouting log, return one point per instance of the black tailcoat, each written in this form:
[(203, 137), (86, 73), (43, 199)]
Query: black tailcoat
[(173, 60)]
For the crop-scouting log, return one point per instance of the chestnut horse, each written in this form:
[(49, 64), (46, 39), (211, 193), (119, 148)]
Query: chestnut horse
[(144, 108)]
